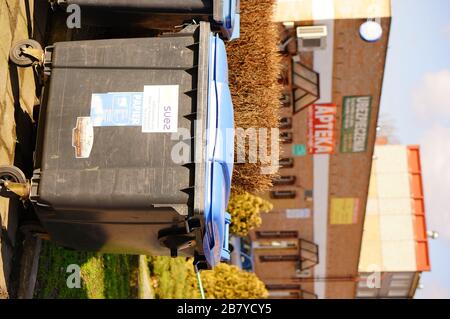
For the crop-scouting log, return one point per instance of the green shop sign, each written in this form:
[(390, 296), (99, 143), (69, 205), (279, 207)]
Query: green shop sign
[(299, 149), (355, 123)]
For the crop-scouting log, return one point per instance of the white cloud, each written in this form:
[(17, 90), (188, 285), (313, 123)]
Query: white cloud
[(435, 155), (431, 98), (447, 31)]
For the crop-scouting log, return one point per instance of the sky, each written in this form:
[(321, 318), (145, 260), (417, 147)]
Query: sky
[(416, 99)]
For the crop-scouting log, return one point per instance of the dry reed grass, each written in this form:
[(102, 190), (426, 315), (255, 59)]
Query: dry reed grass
[(254, 66)]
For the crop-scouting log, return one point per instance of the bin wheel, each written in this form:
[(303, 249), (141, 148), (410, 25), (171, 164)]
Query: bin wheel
[(175, 238), (10, 174), (16, 53), (200, 262)]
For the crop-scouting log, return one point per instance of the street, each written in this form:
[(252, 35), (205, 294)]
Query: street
[(17, 99)]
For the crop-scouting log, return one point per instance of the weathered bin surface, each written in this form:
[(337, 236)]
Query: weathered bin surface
[(224, 15), (114, 116)]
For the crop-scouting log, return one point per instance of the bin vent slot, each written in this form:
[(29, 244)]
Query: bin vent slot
[(190, 165), (191, 116), (192, 93), (193, 46), (192, 70), (188, 190)]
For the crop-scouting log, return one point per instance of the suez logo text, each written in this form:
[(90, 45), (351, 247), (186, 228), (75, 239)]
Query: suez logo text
[(321, 128), (167, 117)]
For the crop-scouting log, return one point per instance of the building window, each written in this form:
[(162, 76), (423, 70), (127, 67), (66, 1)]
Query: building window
[(366, 293), (398, 293), (277, 234), (282, 194), (283, 76), (307, 295), (307, 273), (284, 180), (283, 294), (274, 244), (309, 254), (286, 137), (287, 162), (279, 294), (308, 195), (403, 276), (286, 122), (289, 291), (286, 100), (301, 294), (283, 287), (401, 281), (393, 285), (274, 258)]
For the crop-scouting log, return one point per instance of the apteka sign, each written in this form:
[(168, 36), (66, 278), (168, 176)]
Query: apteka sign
[(321, 128)]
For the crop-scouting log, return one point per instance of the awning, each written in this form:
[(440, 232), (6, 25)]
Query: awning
[(305, 86)]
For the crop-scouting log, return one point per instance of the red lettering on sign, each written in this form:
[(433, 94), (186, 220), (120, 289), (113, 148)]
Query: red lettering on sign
[(321, 128)]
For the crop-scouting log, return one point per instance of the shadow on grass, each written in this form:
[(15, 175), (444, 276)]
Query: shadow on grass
[(52, 273), (120, 276), (103, 276)]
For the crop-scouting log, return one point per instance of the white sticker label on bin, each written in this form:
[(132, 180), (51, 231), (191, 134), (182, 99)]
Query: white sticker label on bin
[(160, 109), (83, 137)]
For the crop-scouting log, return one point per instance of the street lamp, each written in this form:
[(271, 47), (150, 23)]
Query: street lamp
[(371, 31)]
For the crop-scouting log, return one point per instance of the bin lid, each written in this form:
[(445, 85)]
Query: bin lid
[(227, 16), (219, 156)]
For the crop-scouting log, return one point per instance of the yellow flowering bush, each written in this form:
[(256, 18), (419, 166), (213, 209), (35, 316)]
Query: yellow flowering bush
[(245, 210), (229, 282)]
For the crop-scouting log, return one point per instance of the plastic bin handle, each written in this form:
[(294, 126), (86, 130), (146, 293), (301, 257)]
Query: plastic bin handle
[(226, 234)]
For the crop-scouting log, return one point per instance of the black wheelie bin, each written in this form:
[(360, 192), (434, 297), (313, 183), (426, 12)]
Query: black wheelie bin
[(224, 15), (133, 154)]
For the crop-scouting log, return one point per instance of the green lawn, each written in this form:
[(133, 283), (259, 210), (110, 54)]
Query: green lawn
[(107, 276), (103, 275)]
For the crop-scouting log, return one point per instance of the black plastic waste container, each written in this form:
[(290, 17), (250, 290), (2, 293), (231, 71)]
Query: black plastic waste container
[(123, 162), (224, 15)]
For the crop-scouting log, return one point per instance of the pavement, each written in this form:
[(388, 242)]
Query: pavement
[(17, 99), (144, 282)]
